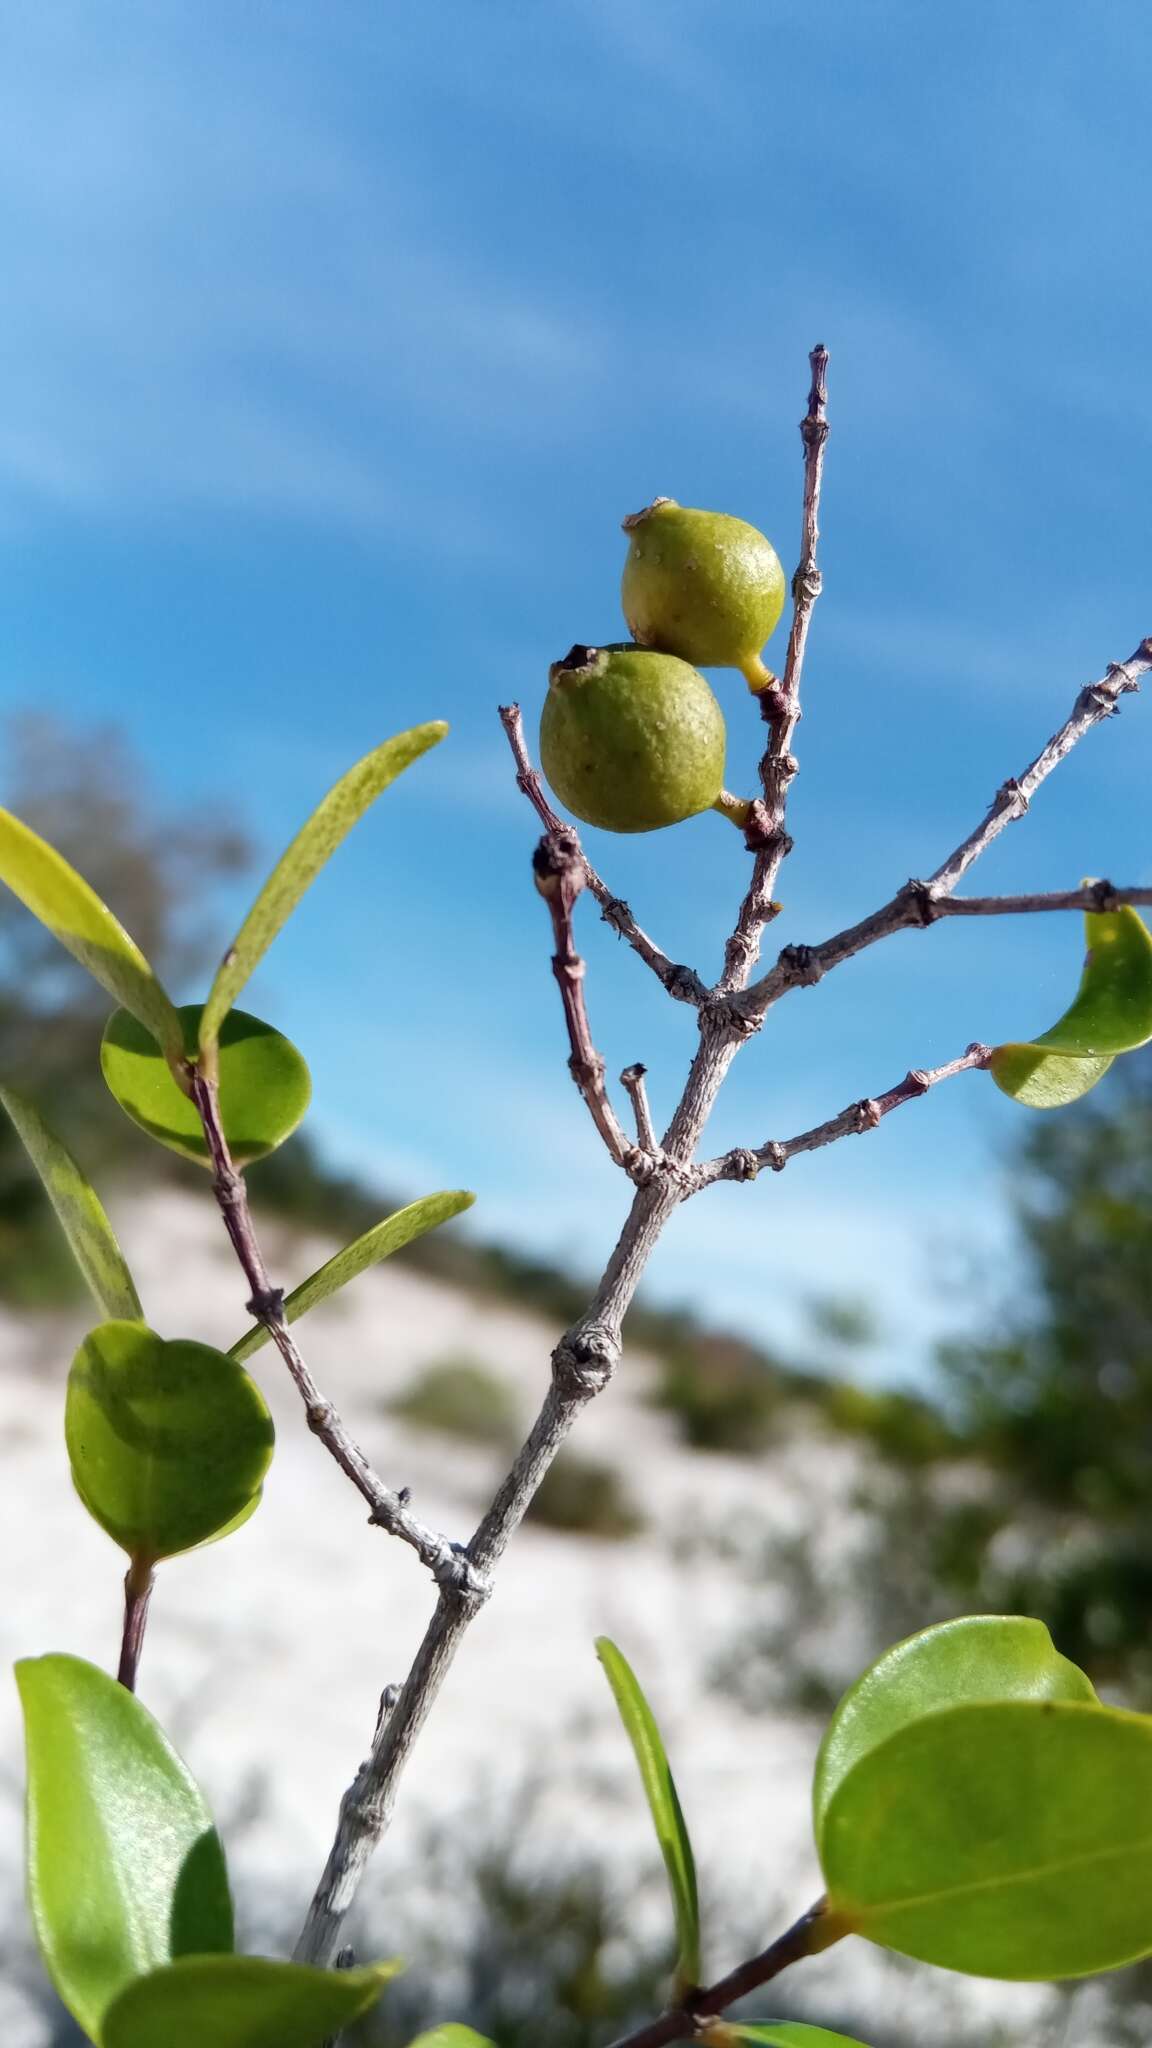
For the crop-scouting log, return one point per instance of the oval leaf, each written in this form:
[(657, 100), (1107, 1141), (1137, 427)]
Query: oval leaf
[(74, 914), (451, 2036), (90, 1236), (125, 1870), (328, 826), (1009, 1839), (169, 1442), (983, 1657), (1044, 1080), (241, 2002), (399, 1229), (265, 1086), (776, 2034), (671, 1830)]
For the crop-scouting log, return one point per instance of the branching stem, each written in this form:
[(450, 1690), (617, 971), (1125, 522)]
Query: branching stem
[(690, 2020)]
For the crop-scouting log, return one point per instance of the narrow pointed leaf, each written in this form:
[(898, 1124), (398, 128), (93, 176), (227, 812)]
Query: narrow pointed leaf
[(90, 1236), (776, 2034), (451, 2036), (982, 1657), (397, 1230), (671, 1830), (125, 1870), (1006, 1839), (1111, 1013), (241, 2002), (264, 1085), (297, 869), (169, 1442), (1044, 1080), (75, 915)]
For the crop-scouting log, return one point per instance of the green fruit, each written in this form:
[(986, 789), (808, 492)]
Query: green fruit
[(702, 585), (631, 740)]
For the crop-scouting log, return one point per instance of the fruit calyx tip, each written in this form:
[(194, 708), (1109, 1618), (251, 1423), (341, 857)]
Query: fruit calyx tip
[(636, 519), (578, 660)]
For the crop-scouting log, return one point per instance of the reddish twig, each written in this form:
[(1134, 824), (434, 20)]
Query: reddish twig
[(558, 867), (139, 1580), (690, 2020), (780, 707), (445, 1560), (859, 1117), (682, 983)]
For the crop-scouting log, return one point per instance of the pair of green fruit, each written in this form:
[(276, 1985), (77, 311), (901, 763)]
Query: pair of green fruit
[(631, 736)]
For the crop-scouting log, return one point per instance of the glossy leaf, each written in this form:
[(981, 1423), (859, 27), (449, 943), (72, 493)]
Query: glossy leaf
[(265, 1086), (671, 1830), (1044, 1080), (1006, 1839), (297, 869), (451, 2036), (75, 915), (1112, 1013), (125, 1870), (983, 1657), (169, 1441), (90, 1236), (241, 2002), (397, 1230), (775, 2034)]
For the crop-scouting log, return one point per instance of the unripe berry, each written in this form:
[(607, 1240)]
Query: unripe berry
[(702, 585), (630, 739)]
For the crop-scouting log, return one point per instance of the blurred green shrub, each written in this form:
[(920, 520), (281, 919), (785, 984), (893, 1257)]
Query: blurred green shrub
[(463, 1398), (723, 1394), (586, 1497)]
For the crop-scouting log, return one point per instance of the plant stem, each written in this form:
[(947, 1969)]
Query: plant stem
[(559, 870), (815, 1930), (139, 1580)]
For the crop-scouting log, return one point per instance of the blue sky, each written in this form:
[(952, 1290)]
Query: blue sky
[(335, 343)]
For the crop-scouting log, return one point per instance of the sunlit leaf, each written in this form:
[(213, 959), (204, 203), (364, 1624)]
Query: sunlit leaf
[(264, 1083), (775, 2034), (397, 1230), (125, 1870), (1111, 1013), (671, 1830), (1008, 1839), (241, 2002), (451, 2036), (90, 1236), (982, 1657), (74, 914), (169, 1441), (1044, 1080), (298, 867)]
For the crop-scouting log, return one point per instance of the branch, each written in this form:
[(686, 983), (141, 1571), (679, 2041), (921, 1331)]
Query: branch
[(1090, 896), (558, 867), (445, 1560), (780, 707), (815, 1930), (682, 983), (921, 903), (852, 1122), (632, 1079)]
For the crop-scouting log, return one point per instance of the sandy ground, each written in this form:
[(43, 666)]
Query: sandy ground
[(266, 1656)]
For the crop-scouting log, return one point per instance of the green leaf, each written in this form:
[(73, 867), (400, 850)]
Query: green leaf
[(1044, 1080), (1112, 1013), (775, 2034), (983, 1657), (169, 1442), (74, 914), (660, 1788), (125, 1870), (451, 2036), (399, 1229), (91, 1237), (265, 1086), (1008, 1839), (241, 2002), (328, 826)]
